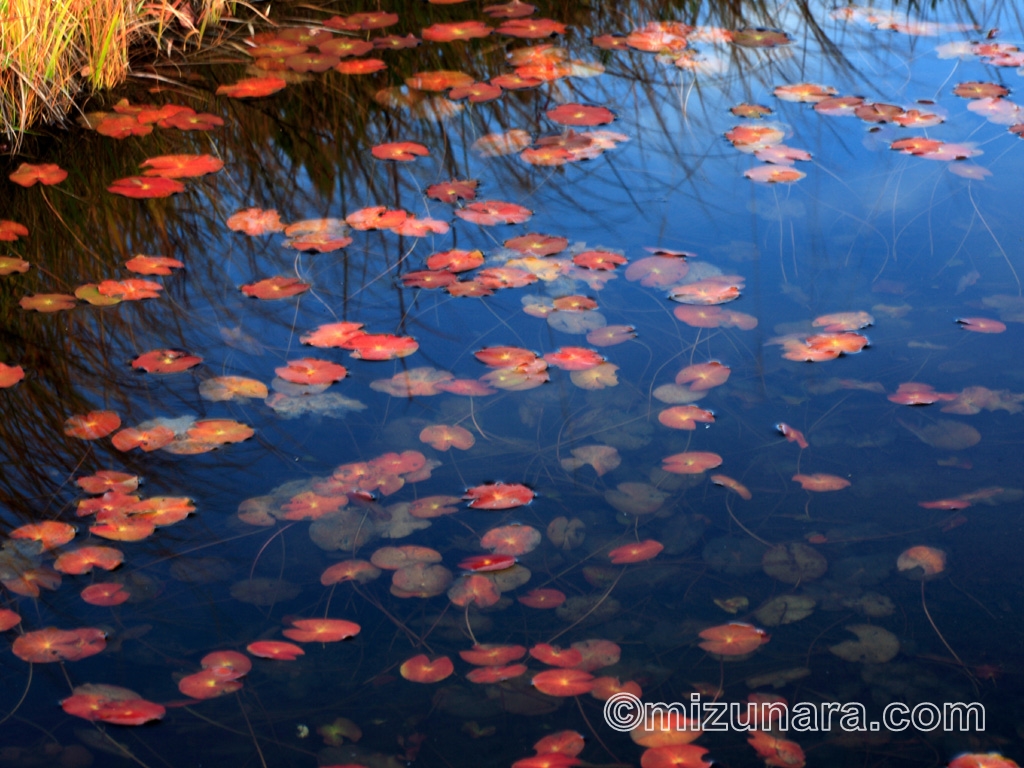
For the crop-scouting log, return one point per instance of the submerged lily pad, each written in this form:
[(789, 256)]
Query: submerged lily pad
[(264, 591), (345, 529), (635, 498), (874, 645), (784, 609), (794, 563), (946, 434), (733, 555)]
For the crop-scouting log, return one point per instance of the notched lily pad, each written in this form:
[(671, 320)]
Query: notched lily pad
[(873, 645), (635, 498), (871, 604), (565, 533), (263, 591), (344, 529), (946, 434), (509, 578), (785, 609), (794, 563), (591, 607), (732, 555), (777, 679)]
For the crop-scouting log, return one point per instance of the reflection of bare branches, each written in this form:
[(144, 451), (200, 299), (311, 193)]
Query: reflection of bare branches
[(306, 153)]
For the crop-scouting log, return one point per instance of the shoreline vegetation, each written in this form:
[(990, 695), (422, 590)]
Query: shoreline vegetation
[(53, 51)]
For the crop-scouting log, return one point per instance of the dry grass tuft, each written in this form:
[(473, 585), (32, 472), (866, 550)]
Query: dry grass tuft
[(50, 50)]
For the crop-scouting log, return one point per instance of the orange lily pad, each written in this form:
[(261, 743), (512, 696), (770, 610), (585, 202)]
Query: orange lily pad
[(141, 187), (166, 361), (311, 371), (84, 559), (580, 115), (92, 425), (152, 265), (28, 174), (735, 639), (255, 221), (403, 151), (10, 375), (181, 166), (321, 630), (691, 462), (636, 552), (444, 436), (49, 533), (105, 593), (52, 644), (563, 682), (252, 87), (820, 481), (275, 649), (487, 213), (420, 669), (11, 230), (542, 598), (48, 302), (499, 496), (279, 287)]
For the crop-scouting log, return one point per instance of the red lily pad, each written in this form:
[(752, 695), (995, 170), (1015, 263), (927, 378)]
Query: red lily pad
[(490, 212), (11, 230), (166, 361), (28, 175), (255, 221), (140, 187), (278, 287), (48, 302), (579, 114), (92, 425), (10, 375), (152, 265), (181, 166), (252, 87), (402, 151)]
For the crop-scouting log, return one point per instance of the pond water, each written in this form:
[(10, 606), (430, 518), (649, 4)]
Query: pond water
[(656, 286)]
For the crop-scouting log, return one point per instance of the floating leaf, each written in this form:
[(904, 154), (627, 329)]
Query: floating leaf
[(166, 361), (28, 175), (599, 377), (946, 434), (279, 287), (420, 669), (52, 644), (140, 187), (498, 496), (443, 436), (513, 540), (403, 151), (794, 563), (92, 425), (603, 458), (12, 230), (636, 552), (255, 221), (151, 265), (252, 87), (48, 302), (321, 630), (181, 166), (874, 645), (491, 212), (735, 639), (221, 388), (580, 115)]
